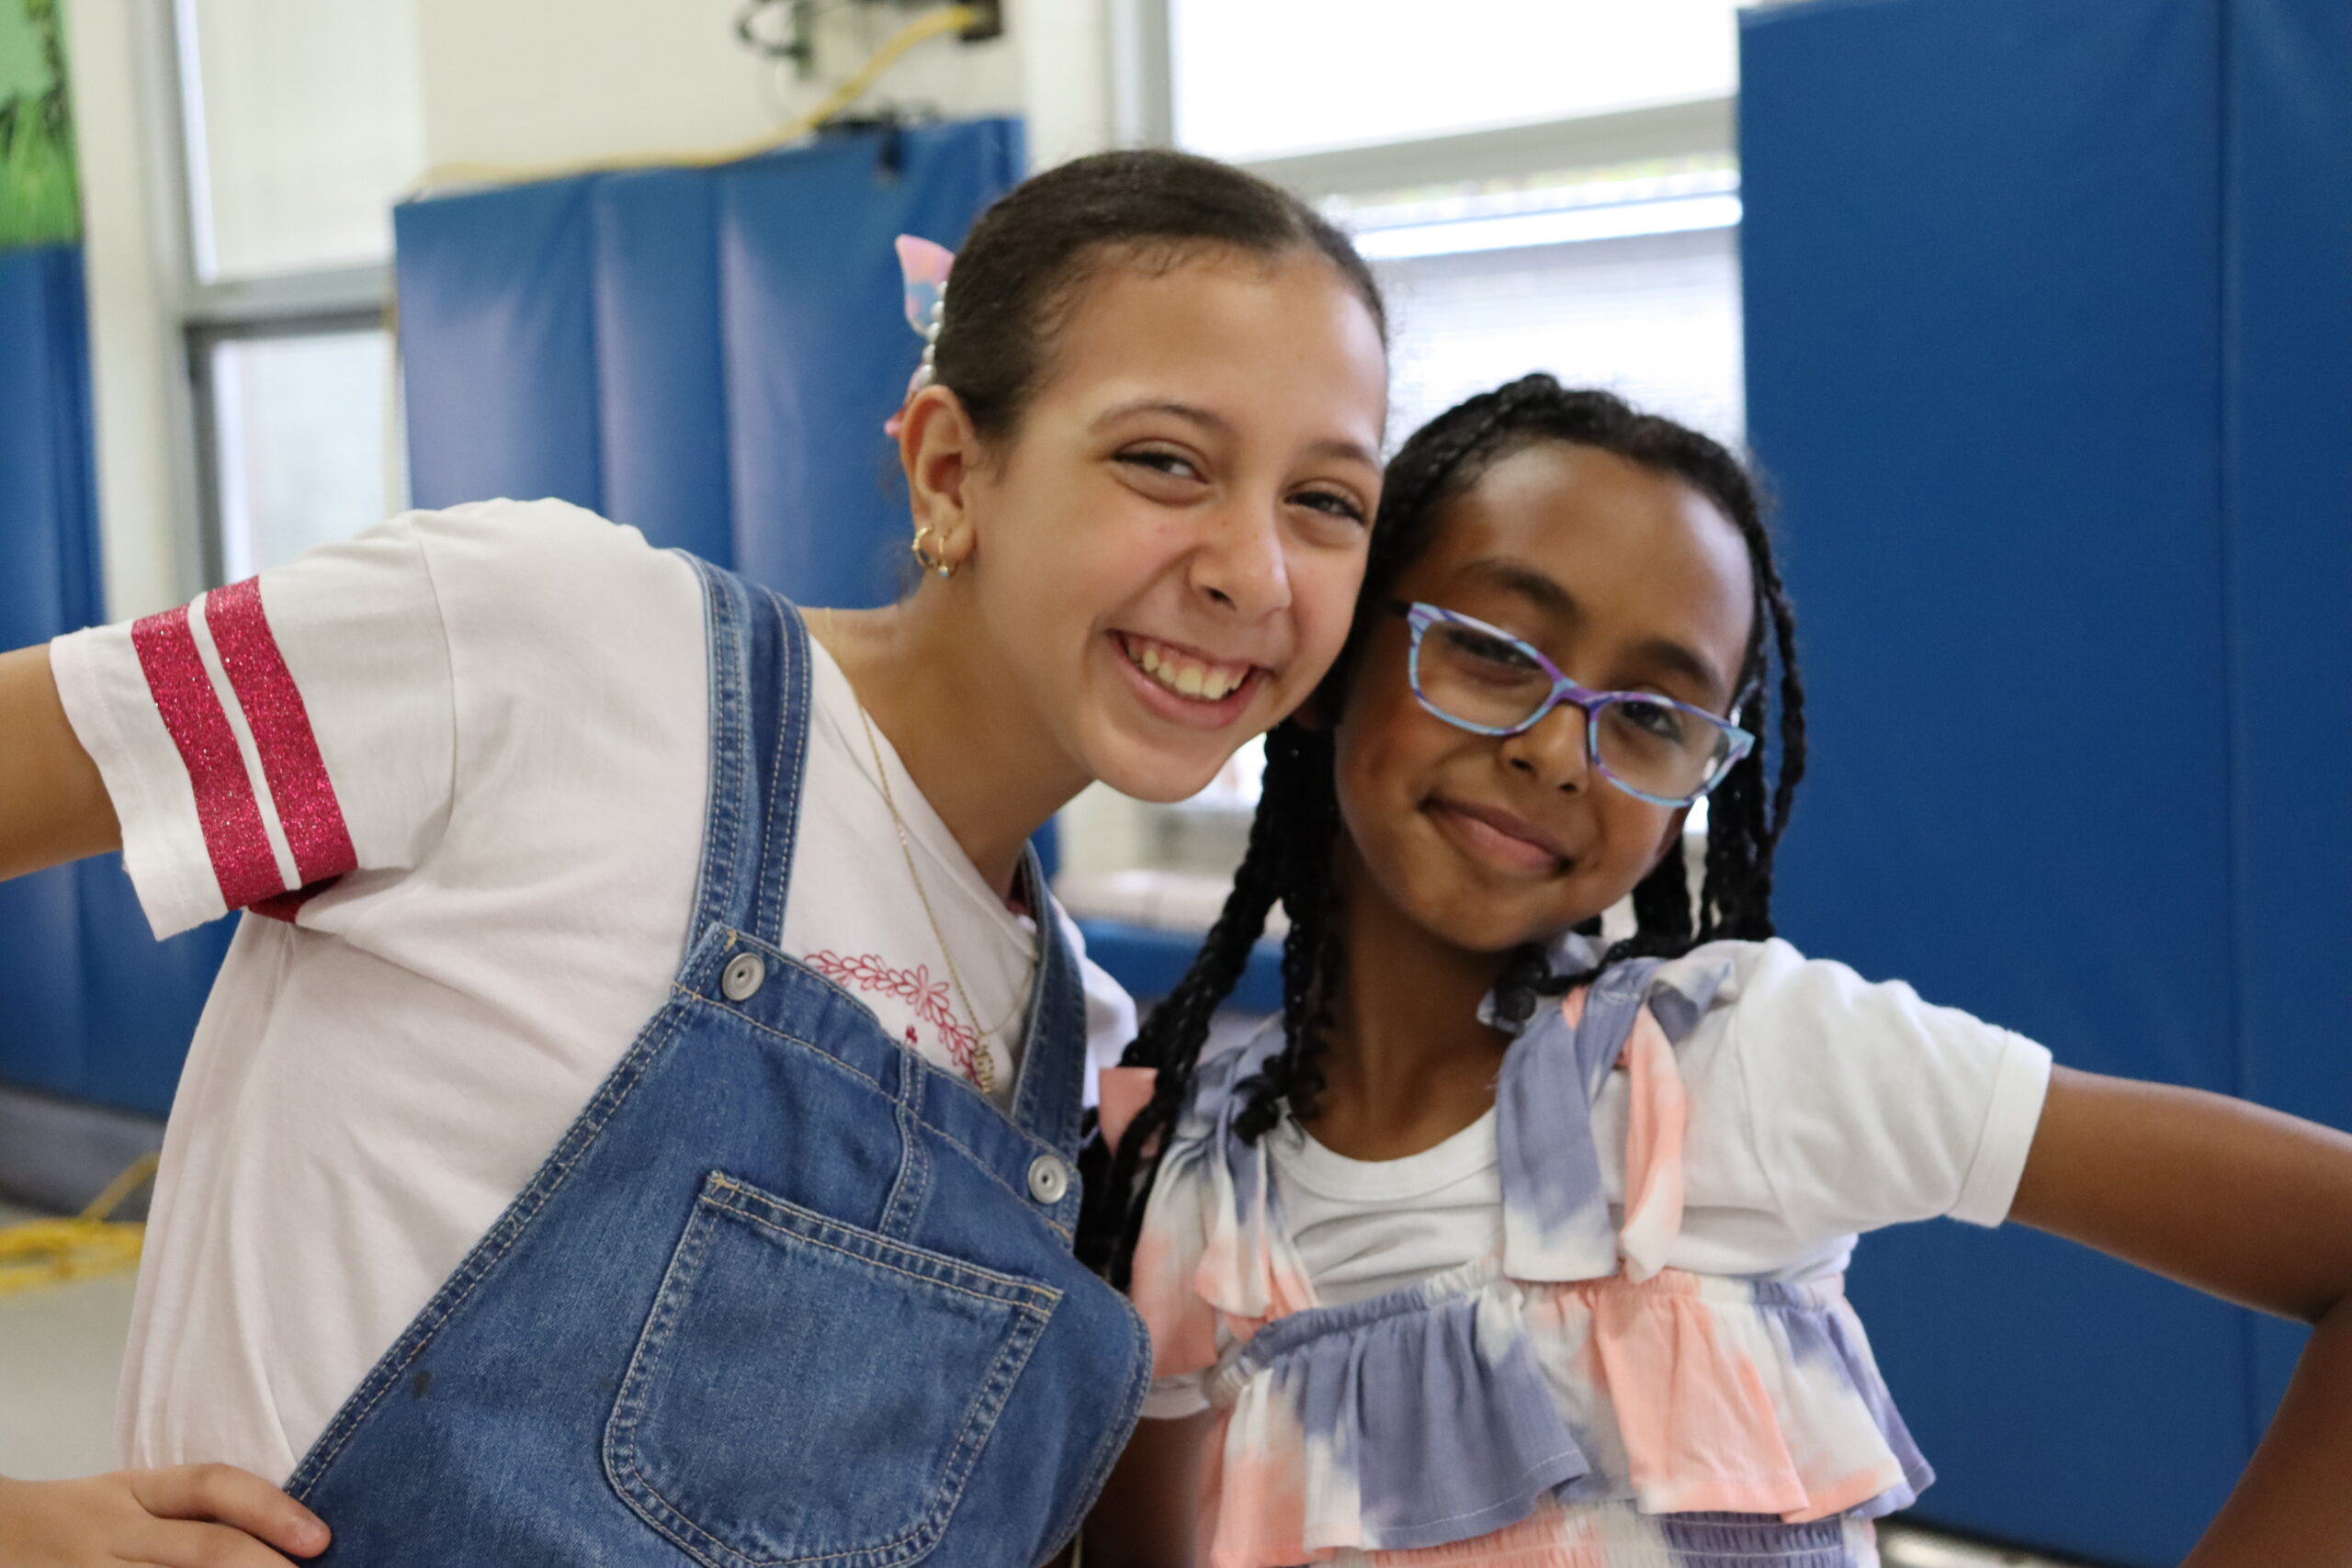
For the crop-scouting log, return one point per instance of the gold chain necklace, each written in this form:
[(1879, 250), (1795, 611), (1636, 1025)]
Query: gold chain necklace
[(983, 1059)]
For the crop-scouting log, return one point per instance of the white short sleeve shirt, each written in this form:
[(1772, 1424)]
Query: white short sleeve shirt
[(458, 766), (1820, 1105)]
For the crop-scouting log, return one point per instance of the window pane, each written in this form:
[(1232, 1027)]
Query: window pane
[(1269, 78), (1654, 318), (302, 433), (303, 123)]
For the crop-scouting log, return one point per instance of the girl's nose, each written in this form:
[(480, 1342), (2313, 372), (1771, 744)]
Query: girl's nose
[(1555, 751), (1239, 563)]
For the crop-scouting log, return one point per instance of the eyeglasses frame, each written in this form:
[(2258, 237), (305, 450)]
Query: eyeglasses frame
[(1421, 616)]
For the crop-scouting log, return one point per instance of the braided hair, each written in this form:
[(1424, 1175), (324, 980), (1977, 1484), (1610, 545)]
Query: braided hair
[(1295, 832)]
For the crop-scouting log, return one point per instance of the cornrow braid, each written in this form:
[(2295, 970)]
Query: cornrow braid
[(1289, 858), (1295, 830)]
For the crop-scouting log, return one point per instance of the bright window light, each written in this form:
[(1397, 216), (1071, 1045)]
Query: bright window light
[(1273, 78), (303, 123), (1673, 215), (301, 429)]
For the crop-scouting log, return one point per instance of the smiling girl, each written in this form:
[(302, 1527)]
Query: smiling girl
[(639, 1128), (1509, 1245)]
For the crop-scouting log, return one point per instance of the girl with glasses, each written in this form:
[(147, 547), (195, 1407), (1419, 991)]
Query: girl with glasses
[(1516, 1239)]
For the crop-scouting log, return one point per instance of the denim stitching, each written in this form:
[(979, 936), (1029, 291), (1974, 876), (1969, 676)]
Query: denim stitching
[(1026, 1328), (980, 1162), (761, 889), (913, 1181), (1032, 1297)]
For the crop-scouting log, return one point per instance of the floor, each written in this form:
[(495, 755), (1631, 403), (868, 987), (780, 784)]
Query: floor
[(60, 1351)]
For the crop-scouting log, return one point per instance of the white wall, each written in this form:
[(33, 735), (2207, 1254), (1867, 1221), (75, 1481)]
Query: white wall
[(537, 82)]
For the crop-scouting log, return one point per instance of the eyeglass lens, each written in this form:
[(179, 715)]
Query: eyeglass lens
[(1490, 682)]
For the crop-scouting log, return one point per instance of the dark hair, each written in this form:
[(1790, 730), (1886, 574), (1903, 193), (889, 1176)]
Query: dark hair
[(1032, 253), (1297, 828)]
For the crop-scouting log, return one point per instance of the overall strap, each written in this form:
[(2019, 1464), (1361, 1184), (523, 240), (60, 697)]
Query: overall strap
[(1049, 1100), (759, 746)]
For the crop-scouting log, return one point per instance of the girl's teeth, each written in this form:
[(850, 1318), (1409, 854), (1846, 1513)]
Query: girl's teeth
[(1184, 676)]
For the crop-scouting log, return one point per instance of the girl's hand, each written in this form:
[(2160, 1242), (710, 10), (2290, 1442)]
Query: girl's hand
[(191, 1516), (2250, 1205)]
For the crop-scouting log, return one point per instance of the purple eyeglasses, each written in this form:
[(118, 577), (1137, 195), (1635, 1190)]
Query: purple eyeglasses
[(1482, 679)]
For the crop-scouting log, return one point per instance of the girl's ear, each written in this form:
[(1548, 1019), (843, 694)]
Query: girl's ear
[(940, 450)]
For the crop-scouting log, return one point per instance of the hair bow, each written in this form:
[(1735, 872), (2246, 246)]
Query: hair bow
[(925, 265)]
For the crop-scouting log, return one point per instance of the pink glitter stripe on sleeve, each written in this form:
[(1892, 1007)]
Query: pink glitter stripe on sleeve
[(307, 808), (242, 862)]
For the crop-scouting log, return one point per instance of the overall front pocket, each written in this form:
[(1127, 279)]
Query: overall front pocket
[(809, 1393)]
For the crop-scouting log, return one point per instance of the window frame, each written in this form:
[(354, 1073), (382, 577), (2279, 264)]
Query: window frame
[(312, 302)]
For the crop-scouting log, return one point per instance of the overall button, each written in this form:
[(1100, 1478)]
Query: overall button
[(1048, 1179), (744, 974)]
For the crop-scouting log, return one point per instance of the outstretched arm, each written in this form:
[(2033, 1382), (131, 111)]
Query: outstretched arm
[(2250, 1205), (53, 808)]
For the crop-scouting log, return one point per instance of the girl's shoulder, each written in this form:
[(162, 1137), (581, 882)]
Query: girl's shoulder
[(1755, 983), (548, 567)]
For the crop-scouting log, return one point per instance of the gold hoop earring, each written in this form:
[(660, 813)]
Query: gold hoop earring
[(942, 567)]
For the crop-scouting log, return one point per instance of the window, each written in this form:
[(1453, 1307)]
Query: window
[(1251, 80), (300, 126), (1629, 282), (299, 437), (1539, 184)]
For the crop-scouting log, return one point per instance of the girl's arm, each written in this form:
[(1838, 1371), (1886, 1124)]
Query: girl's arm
[(2252, 1206), (1149, 1510), (53, 807)]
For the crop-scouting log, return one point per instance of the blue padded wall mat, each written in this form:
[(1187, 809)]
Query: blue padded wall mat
[(90, 1006), (2288, 224), (708, 354), (1984, 348)]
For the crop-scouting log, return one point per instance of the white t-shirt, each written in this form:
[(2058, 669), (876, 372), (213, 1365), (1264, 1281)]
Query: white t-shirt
[(1819, 1106), (497, 716)]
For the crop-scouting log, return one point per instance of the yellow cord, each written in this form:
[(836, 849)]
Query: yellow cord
[(954, 19), (40, 1253)]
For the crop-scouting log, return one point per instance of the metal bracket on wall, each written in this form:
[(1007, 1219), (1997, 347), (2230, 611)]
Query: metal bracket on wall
[(787, 30)]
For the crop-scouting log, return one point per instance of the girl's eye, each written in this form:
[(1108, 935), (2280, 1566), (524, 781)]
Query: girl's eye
[(1331, 501), (1486, 650), (1175, 465), (1659, 719)]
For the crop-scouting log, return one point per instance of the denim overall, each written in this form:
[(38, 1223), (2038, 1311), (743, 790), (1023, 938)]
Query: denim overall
[(784, 1293)]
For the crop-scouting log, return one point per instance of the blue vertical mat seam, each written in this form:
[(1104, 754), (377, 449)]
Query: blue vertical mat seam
[(2230, 508)]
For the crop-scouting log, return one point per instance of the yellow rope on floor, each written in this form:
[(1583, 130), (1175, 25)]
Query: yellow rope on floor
[(42, 1253)]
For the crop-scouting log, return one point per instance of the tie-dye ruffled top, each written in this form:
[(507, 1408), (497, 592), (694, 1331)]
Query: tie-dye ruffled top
[(1570, 1389)]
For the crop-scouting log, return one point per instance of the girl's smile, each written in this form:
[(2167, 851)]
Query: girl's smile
[(1503, 838)]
